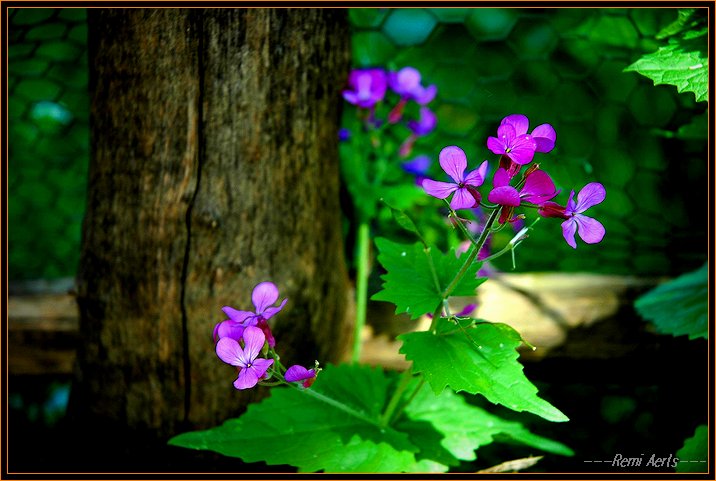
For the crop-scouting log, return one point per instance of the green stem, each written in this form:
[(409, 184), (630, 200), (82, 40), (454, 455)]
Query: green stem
[(472, 254), (407, 401), (395, 399), (362, 273)]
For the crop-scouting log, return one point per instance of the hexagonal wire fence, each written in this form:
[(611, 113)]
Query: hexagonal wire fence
[(562, 66), (48, 140)]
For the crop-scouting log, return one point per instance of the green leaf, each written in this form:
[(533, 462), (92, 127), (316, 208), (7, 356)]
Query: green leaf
[(679, 307), (479, 359), (417, 276), (688, 18), (693, 456), (448, 429), (683, 64), (312, 429)]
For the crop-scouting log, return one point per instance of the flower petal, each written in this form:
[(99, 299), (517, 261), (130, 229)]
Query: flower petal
[(264, 295), (477, 176), (501, 178), (438, 189), (518, 121), (426, 95), (228, 328), (247, 379), (590, 230), (495, 145), (236, 315), (418, 166), (569, 228), (522, 149), (538, 188), (545, 136), (254, 339), (454, 162), (229, 351), (260, 366), (505, 195), (506, 133), (269, 312), (462, 199), (590, 195), (571, 205), (298, 373)]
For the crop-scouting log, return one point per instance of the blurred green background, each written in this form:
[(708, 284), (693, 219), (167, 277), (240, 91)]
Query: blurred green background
[(560, 66)]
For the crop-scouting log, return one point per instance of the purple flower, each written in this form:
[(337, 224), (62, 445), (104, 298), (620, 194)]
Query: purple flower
[(454, 162), (367, 87), (264, 295), (344, 134), (590, 230), (418, 166), (406, 83), (297, 373), (513, 140), (251, 367), (425, 124)]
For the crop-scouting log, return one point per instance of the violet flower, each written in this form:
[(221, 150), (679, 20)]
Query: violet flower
[(425, 124), (298, 373), (418, 166), (513, 140), (264, 295), (367, 87), (251, 367), (590, 230), (406, 83), (454, 162)]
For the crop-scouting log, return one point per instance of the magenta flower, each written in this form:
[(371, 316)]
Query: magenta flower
[(367, 87), (406, 83), (298, 373), (538, 189), (454, 162), (251, 367), (513, 140), (264, 295)]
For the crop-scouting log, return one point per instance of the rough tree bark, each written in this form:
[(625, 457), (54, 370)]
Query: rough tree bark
[(214, 167)]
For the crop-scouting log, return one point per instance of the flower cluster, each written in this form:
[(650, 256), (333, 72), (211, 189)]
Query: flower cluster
[(246, 335), (367, 88), (534, 188)]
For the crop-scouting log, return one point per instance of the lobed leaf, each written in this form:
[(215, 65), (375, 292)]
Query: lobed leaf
[(683, 64), (418, 275), (481, 358)]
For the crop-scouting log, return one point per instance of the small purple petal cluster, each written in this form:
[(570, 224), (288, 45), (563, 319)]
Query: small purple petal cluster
[(369, 87), (534, 188), (246, 334)]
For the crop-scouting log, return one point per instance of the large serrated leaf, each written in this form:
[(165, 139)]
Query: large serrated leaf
[(306, 428), (679, 307), (677, 64), (463, 428), (481, 359), (417, 276)]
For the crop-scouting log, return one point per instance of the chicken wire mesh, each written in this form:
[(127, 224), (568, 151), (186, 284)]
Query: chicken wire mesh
[(562, 66)]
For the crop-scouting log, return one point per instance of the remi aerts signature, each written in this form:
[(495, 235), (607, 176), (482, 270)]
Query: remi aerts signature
[(644, 461)]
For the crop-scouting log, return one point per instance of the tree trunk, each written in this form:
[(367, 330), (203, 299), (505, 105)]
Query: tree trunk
[(214, 167)]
